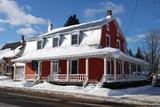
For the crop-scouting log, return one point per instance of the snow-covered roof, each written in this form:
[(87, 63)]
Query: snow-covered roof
[(8, 52), (72, 52), (87, 25)]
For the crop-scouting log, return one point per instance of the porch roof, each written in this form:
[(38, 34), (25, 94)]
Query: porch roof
[(74, 52)]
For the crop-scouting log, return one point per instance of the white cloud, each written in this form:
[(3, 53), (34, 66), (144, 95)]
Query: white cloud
[(136, 38), (26, 31), (15, 15), (2, 29), (116, 8)]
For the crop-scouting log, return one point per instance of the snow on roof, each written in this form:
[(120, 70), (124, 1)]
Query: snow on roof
[(8, 52), (64, 52), (73, 51), (76, 27)]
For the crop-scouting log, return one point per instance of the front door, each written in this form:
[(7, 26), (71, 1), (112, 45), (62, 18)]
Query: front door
[(74, 67), (55, 67)]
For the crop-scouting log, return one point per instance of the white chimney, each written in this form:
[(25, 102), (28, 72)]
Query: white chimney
[(50, 26), (109, 14)]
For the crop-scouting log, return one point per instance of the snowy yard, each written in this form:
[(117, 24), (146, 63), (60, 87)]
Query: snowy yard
[(143, 93)]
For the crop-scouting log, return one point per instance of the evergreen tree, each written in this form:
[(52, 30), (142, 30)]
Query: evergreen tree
[(130, 52), (139, 54), (72, 20)]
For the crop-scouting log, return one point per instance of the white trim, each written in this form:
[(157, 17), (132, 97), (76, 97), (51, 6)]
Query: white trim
[(70, 72), (107, 35), (115, 69), (105, 66), (39, 72), (118, 32), (87, 67)]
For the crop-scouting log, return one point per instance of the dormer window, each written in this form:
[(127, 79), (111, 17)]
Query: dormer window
[(117, 44), (55, 41), (74, 39), (107, 40), (39, 44)]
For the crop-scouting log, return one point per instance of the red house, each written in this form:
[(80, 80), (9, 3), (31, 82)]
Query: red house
[(88, 52)]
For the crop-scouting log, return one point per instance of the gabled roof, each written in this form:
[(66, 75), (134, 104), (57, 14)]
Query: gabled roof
[(11, 46)]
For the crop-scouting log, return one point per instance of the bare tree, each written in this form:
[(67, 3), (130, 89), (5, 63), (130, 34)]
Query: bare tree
[(152, 50)]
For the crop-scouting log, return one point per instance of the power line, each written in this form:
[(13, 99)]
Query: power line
[(132, 16)]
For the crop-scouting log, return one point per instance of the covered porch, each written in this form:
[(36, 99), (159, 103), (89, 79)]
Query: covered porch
[(86, 64)]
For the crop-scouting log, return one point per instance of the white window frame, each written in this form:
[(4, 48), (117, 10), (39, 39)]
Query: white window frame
[(70, 72), (118, 41), (41, 44), (57, 66), (107, 27), (77, 33), (58, 41), (109, 40)]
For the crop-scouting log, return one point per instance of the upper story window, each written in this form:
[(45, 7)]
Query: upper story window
[(107, 40), (117, 44), (74, 39), (118, 32), (55, 41), (39, 44)]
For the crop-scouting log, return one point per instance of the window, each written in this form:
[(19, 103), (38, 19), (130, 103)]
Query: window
[(74, 39), (107, 40), (39, 44), (118, 32), (74, 67), (55, 66), (118, 44), (109, 67), (55, 41)]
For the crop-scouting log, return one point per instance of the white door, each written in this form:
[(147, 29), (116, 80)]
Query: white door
[(19, 74)]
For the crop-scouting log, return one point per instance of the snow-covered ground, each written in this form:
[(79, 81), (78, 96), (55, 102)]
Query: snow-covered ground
[(143, 93)]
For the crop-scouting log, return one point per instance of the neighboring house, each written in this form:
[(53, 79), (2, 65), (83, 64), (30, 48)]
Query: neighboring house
[(88, 52), (8, 52)]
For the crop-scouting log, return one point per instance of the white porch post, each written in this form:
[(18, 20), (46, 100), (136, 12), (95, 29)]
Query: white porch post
[(105, 66), (122, 67), (87, 68), (67, 69), (14, 73), (115, 69), (136, 69), (130, 69), (39, 67)]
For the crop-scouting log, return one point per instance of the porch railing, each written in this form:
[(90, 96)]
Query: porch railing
[(125, 77), (63, 77)]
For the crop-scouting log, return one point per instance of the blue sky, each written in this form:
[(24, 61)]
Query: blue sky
[(29, 17)]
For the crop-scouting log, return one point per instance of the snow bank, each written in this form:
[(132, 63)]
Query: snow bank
[(143, 93)]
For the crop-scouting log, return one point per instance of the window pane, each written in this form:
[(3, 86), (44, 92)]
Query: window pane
[(74, 67), (107, 41), (55, 42), (39, 44), (74, 39), (55, 66)]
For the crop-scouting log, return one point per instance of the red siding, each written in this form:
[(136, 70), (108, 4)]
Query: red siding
[(82, 66), (95, 68), (113, 36), (45, 68), (126, 68), (63, 66), (29, 70)]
